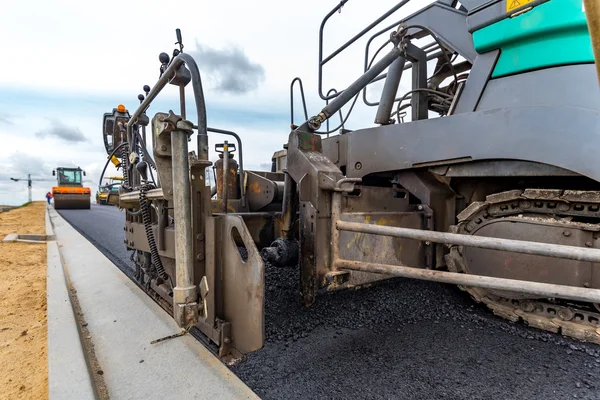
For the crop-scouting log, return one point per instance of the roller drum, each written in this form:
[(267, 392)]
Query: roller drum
[(72, 201)]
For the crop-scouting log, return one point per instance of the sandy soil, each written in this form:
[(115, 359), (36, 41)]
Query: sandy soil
[(23, 327)]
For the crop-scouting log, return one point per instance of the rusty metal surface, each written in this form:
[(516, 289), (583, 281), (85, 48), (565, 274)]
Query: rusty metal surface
[(242, 285), (232, 177), (308, 141), (261, 191), (371, 248)]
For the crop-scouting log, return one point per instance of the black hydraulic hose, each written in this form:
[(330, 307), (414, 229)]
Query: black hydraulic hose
[(441, 94), (107, 161), (142, 145), (145, 210), (442, 48)]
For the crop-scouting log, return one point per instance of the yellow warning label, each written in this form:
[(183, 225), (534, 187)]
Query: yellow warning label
[(514, 4)]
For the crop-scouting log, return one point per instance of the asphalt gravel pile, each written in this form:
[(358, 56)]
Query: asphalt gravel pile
[(408, 339), (399, 339)]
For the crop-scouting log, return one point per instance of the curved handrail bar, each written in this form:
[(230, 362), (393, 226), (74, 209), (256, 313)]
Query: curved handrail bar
[(176, 62), (241, 163), (428, 48), (297, 79), (348, 43)]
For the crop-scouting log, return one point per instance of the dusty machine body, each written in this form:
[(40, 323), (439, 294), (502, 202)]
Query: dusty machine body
[(70, 192), (498, 193)]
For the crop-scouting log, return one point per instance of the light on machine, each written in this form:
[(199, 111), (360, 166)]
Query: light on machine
[(121, 108)]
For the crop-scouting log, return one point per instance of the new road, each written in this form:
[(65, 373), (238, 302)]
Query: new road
[(403, 339)]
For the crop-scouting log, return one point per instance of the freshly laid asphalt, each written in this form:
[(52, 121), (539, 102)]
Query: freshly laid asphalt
[(403, 339)]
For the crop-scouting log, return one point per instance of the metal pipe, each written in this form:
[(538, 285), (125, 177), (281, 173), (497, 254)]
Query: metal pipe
[(390, 88), (336, 210), (184, 294), (182, 58), (336, 213), (241, 163), (407, 65), (225, 173), (517, 246), (513, 285), (360, 83), (592, 10), (419, 100), (292, 100), (182, 100), (340, 112)]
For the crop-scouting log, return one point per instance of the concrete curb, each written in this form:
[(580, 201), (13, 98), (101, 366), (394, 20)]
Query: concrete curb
[(122, 322), (68, 373), (27, 238), (49, 230)]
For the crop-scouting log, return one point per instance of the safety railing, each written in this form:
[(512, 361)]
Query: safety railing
[(518, 246), (340, 49)]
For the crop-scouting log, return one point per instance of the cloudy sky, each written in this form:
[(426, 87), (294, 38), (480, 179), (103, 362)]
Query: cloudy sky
[(67, 62)]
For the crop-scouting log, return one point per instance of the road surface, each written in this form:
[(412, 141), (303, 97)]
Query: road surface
[(402, 339)]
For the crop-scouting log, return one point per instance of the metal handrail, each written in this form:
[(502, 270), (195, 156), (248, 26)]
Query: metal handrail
[(429, 48), (322, 61), (297, 79)]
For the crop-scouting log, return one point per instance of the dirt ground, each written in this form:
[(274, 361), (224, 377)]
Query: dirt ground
[(23, 318)]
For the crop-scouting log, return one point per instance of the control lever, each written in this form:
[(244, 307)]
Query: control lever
[(142, 168)]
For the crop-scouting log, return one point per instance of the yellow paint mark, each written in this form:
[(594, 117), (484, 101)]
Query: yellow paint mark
[(514, 4), (357, 236)]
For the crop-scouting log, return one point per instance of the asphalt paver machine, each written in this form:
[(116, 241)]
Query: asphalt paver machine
[(491, 184)]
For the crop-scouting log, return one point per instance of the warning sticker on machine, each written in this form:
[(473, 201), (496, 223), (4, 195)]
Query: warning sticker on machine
[(514, 4)]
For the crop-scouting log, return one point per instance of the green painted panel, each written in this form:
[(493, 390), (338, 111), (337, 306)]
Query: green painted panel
[(551, 34)]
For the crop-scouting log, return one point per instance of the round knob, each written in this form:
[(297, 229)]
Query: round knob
[(146, 89), (164, 58)]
